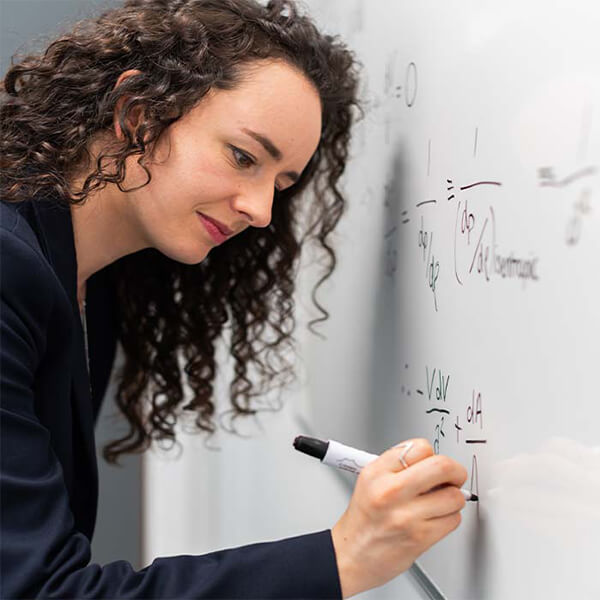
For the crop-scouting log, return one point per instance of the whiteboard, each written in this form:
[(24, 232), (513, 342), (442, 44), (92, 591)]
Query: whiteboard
[(465, 307)]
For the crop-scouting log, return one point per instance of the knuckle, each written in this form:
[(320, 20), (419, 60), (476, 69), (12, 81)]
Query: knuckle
[(443, 464), (367, 473), (380, 496), (423, 446), (450, 469)]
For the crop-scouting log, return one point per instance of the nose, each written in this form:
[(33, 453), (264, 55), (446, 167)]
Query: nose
[(255, 204)]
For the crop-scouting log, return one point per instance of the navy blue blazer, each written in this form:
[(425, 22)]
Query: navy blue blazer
[(48, 471)]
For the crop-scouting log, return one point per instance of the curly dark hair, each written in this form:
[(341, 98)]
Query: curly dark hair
[(54, 102)]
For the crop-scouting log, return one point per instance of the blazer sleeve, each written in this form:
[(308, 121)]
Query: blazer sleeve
[(42, 554)]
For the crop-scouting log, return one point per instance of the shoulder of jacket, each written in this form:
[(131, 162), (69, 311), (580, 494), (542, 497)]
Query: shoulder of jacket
[(25, 272), (13, 223), (28, 284)]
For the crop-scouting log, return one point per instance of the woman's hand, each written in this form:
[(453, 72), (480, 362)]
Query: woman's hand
[(395, 514)]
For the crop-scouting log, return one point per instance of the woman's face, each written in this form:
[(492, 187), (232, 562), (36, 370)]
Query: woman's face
[(222, 161)]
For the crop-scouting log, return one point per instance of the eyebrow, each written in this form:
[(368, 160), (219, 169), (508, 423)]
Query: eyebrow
[(272, 149)]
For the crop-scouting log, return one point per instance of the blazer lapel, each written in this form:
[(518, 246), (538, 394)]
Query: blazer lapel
[(56, 234)]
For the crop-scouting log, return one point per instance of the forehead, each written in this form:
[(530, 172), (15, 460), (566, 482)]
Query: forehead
[(271, 98)]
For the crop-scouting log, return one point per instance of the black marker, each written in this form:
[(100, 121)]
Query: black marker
[(344, 457)]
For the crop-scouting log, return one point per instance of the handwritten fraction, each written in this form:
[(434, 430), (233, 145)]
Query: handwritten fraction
[(448, 413)]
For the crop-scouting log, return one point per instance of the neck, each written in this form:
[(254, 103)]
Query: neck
[(104, 229)]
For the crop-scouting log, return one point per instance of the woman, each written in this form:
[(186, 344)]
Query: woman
[(153, 168)]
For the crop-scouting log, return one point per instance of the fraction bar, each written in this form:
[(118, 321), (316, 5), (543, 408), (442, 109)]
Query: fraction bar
[(426, 202)]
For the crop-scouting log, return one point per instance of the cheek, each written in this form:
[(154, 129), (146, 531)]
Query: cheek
[(168, 222), (194, 178), (179, 187)]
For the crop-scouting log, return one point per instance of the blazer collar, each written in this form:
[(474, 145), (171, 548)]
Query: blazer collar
[(58, 241), (55, 233)]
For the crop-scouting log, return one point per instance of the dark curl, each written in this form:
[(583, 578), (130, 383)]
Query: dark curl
[(172, 315)]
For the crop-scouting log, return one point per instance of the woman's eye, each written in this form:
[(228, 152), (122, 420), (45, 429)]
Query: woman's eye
[(241, 158)]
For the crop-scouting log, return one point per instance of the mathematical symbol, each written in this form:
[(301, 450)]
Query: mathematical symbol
[(426, 202), (428, 157), (398, 93), (478, 245), (586, 172), (450, 187), (474, 488), (406, 219), (458, 428), (471, 185)]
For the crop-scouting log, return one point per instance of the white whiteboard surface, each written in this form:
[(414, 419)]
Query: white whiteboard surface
[(478, 311)]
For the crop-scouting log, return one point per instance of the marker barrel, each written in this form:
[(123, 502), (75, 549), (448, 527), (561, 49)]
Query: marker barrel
[(347, 458)]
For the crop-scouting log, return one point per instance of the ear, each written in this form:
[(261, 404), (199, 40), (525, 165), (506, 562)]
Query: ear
[(135, 115)]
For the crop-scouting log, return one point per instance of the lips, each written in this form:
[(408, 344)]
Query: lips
[(220, 226), (217, 230)]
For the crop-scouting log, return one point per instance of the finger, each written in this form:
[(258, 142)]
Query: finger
[(442, 526), (403, 455), (438, 503), (431, 472)]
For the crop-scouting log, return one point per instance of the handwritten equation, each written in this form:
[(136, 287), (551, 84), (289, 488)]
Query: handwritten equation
[(478, 228), (453, 423), (476, 252), (582, 206)]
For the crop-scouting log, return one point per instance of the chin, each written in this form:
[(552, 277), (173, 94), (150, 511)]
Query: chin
[(186, 256)]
